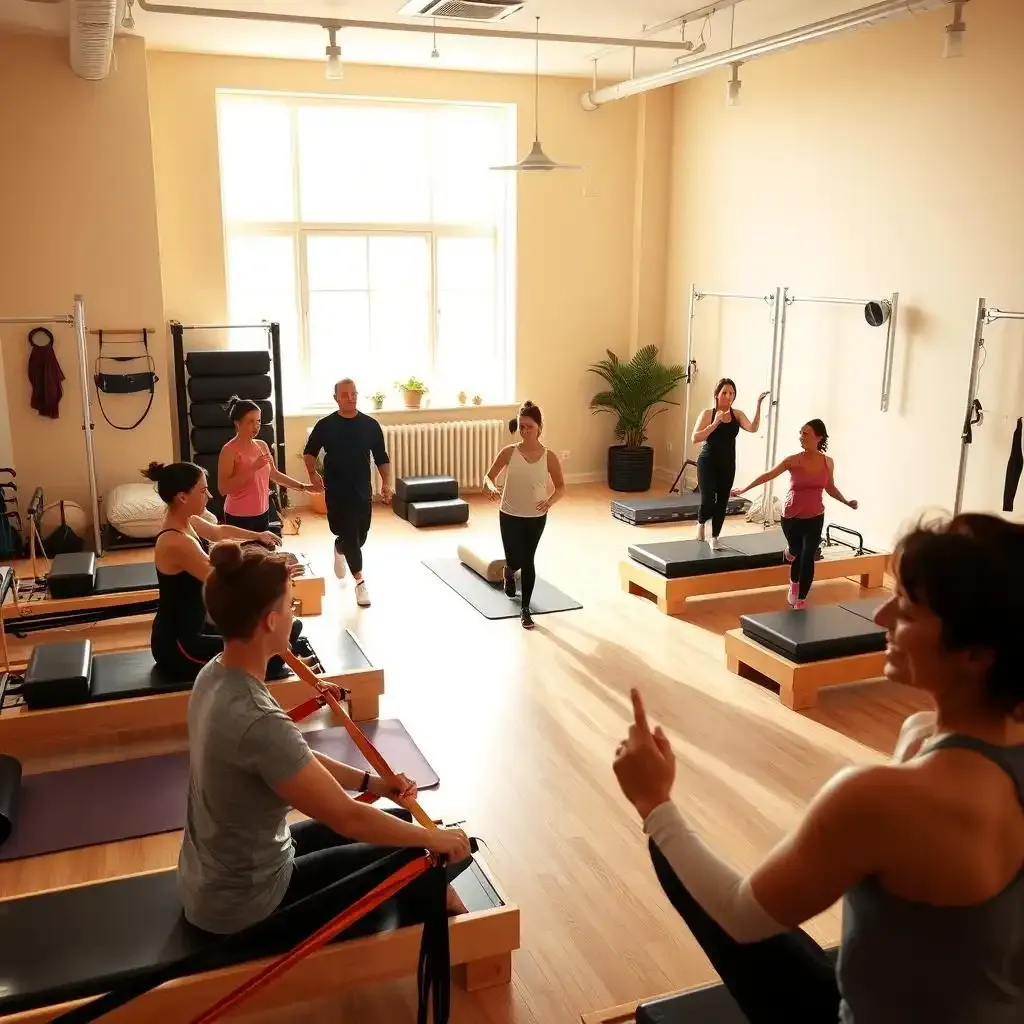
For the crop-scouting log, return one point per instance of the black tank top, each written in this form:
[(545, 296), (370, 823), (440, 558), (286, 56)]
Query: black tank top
[(181, 610), (721, 442)]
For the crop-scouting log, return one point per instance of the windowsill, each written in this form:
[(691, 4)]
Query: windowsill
[(400, 410)]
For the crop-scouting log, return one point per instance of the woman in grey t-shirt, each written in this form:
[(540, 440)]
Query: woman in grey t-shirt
[(250, 765)]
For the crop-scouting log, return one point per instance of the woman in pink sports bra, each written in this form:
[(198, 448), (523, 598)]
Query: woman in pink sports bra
[(246, 470), (811, 473)]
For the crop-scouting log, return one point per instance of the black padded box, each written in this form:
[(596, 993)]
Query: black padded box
[(127, 578), (119, 674), (679, 558), (426, 488), (867, 607), (227, 363), (763, 547), (400, 508), (814, 634), (438, 513), (58, 675), (72, 575), (220, 389)]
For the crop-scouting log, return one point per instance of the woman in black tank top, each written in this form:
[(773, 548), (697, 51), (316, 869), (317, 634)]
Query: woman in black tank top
[(925, 853), (718, 428), (182, 639)]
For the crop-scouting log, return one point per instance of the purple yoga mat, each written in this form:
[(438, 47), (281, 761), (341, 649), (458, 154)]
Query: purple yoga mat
[(104, 803)]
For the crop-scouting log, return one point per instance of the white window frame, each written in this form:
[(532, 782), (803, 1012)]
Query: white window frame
[(504, 234)]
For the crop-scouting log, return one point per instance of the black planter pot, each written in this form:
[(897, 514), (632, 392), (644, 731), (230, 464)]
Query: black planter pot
[(630, 469)]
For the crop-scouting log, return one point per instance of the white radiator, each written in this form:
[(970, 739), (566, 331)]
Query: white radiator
[(463, 449)]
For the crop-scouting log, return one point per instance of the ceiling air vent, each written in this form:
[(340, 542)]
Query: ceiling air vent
[(462, 10)]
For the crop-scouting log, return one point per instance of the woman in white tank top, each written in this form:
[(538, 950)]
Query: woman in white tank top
[(533, 483)]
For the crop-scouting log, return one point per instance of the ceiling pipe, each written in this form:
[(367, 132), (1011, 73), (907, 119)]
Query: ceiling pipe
[(873, 15), (391, 26)]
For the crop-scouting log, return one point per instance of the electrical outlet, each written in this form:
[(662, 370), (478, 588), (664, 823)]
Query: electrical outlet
[(564, 456)]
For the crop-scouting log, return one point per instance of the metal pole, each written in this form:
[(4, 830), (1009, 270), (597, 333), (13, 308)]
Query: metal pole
[(180, 388), (222, 327), (87, 424), (65, 319), (890, 350), (972, 394), (781, 302), (777, 302), (686, 394), (829, 299), (1002, 314), (731, 295), (274, 338)]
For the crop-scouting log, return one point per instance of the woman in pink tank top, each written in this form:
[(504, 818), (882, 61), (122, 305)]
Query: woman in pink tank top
[(246, 470), (811, 474)]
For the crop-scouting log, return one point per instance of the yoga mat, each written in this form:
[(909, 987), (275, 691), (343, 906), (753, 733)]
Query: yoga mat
[(490, 600), (105, 803)]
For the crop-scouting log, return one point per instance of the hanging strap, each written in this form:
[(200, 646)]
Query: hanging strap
[(126, 383)]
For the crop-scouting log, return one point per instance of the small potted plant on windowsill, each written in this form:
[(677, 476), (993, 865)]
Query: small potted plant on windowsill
[(378, 400), (413, 391)]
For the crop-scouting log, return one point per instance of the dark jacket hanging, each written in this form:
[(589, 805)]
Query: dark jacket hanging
[(45, 374)]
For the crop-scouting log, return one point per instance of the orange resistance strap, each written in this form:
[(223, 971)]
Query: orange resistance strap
[(373, 899)]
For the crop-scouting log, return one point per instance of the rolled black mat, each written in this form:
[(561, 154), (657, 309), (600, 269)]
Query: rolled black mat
[(10, 791)]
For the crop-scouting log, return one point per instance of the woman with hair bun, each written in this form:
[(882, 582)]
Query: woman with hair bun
[(181, 639), (811, 472), (245, 470), (250, 765), (533, 483)]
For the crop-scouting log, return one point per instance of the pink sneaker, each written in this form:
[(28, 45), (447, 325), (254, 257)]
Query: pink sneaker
[(794, 593), (800, 604)]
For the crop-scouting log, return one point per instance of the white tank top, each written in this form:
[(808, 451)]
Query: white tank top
[(526, 483)]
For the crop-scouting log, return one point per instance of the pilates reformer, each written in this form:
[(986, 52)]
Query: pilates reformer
[(671, 572), (72, 696), (805, 651), (84, 951)]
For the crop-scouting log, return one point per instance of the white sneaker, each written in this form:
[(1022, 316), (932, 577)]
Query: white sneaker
[(340, 566), (716, 544), (362, 595)]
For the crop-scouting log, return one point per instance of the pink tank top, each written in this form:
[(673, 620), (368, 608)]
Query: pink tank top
[(804, 499), (254, 498)]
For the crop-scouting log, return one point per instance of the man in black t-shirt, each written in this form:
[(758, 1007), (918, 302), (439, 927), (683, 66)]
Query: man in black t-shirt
[(348, 438)]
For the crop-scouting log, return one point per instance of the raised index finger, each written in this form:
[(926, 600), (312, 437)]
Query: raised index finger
[(639, 713)]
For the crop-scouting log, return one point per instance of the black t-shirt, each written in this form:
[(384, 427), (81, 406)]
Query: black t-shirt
[(347, 444)]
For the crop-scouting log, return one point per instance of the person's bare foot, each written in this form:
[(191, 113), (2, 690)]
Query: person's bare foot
[(454, 903)]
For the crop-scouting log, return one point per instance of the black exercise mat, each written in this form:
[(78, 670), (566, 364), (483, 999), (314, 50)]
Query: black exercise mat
[(105, 803), (490, 600)]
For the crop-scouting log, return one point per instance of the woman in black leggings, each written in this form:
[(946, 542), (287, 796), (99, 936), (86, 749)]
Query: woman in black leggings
[(182, 639), (533, 483), (242, 870), (926, 853), (716, 431)]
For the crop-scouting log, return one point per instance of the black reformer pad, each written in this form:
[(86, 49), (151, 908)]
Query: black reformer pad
[(77, 575), (677, 559), (815, 634)]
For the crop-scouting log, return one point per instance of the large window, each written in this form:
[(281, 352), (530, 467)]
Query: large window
[(376, 234)]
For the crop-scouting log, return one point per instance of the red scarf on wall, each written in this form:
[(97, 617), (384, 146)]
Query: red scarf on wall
[(45, 374)]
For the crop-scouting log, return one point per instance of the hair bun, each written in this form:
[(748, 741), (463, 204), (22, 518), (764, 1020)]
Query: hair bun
[(513, 424), (226, 556), (229, 404), (528, 405), (154, 471)]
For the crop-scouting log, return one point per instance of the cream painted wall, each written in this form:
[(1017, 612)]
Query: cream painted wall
[(862, 166), (78, 214), (576, 246)]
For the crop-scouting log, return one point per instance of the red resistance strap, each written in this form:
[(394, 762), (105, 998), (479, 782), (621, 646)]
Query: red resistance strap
[(348, 917)]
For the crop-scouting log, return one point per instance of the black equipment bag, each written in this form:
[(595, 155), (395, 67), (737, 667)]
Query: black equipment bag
[(136, 383)]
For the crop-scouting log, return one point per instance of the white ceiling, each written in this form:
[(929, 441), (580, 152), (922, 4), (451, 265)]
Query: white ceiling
[(754, 19)]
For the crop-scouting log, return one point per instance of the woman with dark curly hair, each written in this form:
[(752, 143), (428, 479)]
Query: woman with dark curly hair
[(811, 472)]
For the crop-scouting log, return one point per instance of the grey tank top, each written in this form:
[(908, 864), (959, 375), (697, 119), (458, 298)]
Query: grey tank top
[(901, 961)]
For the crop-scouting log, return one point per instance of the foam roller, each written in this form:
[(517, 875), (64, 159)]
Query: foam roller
[(491, 569)]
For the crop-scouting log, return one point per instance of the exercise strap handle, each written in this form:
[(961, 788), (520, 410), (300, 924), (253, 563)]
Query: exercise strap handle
[(348, 917), (365, 747), (126, 383)]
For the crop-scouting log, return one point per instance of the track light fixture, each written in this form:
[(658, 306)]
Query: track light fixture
[(956, 31), (732, 92), (334, 69), (127, 21)]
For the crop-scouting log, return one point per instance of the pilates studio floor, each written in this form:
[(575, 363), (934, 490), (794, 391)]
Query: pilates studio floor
[(521, 728)]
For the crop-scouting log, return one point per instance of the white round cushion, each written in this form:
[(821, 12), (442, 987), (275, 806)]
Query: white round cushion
[(135, 510), (482, 563)]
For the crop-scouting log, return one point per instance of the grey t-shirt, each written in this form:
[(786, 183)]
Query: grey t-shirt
[(237, 853)]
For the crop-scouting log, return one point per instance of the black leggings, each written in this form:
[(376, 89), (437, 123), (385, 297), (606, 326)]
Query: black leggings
[(520, 536), (788, 976), (715, 478), (803, 537), (350, 524), (183, 657)]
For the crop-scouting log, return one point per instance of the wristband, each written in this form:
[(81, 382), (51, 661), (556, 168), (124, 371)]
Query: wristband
[(365, 785)]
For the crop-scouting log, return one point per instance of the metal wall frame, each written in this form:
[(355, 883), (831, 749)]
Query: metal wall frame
[(986, 315), (76, 319)]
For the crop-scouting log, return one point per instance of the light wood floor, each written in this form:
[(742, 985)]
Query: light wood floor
[(521, 728)]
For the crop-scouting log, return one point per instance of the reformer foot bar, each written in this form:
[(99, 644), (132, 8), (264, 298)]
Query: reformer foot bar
[(482, 940)]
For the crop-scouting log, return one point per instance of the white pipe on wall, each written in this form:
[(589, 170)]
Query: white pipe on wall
[(862, 17)]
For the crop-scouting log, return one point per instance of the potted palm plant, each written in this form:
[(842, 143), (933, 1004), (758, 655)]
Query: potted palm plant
[(635, 391)]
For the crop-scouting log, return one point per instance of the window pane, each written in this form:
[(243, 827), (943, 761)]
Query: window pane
[(255, 160), (467, 142), (336, 262), (466, 353), (339, 339), (465, 264), (400, 263), (400, 331), (363, 165), (262, 286)]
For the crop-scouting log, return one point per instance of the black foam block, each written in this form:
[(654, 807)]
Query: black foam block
[(220, 389), (58, 674), (814, 634), (10, 790), (426, 488), (438, 513), (72, 574), (227, 362), (213, 414)]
